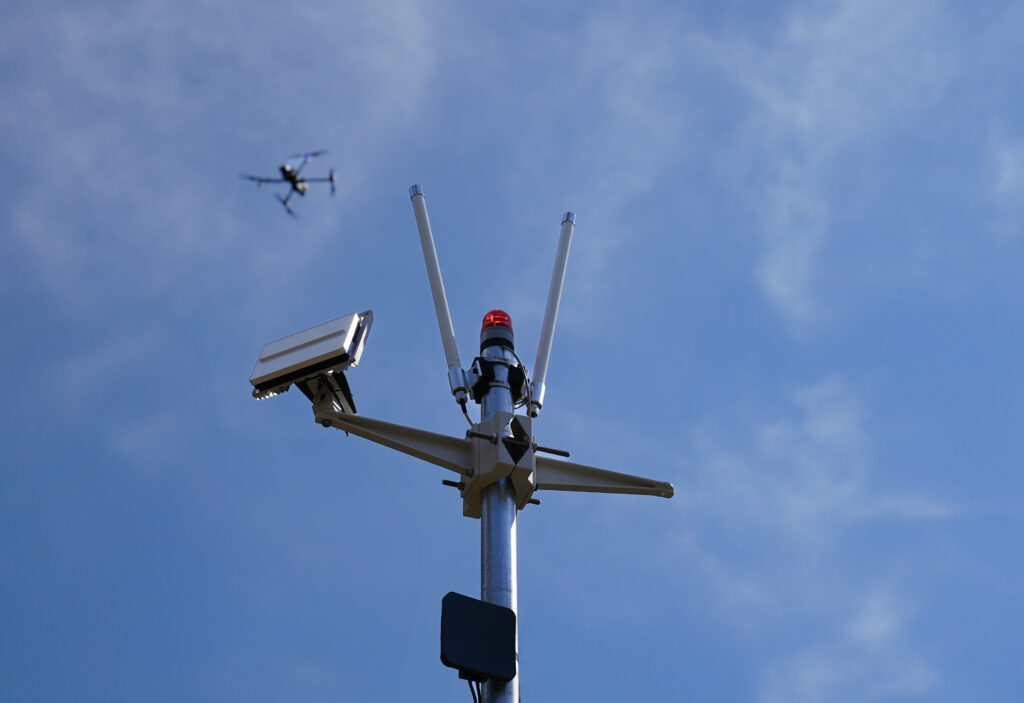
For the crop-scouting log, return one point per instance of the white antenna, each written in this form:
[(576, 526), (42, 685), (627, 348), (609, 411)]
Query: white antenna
[(456, 376), (547, 332)]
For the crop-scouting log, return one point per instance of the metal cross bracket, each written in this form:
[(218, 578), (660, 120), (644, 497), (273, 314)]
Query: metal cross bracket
[(487, 456), (501, 451)]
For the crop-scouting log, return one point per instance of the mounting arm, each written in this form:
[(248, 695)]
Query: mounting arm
[(499, 448)]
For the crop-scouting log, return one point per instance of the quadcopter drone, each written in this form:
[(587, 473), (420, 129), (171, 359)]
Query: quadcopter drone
[(292, 176)]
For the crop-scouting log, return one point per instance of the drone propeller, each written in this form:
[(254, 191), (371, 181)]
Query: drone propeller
[(308, 155), (334, 180), (305, 158)]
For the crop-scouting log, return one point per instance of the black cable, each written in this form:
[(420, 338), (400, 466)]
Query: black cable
[(526, 374)]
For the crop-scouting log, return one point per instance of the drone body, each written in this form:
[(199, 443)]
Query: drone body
[(293, 177)]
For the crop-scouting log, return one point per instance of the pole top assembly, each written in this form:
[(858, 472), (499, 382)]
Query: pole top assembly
[(502, 446), (498, 463)]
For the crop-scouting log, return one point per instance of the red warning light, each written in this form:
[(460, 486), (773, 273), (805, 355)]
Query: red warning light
[(497, 318)]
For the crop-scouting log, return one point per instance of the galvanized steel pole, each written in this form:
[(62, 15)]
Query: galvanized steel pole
[(498, 579)]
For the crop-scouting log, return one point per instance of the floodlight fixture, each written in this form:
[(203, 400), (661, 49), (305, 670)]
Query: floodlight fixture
[(314, 360)]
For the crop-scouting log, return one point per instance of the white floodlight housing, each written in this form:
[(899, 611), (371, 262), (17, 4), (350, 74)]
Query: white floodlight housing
[(319, 354)]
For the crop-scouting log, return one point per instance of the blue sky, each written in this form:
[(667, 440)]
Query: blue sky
[(794, 292)]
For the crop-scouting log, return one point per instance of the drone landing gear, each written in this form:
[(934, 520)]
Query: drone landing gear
[(284, 201)]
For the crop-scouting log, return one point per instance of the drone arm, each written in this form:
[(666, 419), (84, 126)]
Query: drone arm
[(306, 158), (332, 179), (260, 180)]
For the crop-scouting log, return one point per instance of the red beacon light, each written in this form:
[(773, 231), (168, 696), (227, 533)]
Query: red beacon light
[(496, 318), (496, 329)]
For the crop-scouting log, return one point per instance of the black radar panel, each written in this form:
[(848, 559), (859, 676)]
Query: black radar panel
[(478, 638)]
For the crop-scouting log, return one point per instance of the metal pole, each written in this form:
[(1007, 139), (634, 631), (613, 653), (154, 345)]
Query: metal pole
[(498, 579), (547, 333)]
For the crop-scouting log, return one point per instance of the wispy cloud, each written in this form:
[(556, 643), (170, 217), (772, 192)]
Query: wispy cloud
[(838, 75), (594, 115), (636, 95), (871, 658), (1007, 184), (88, 369), (804, 476), (767, 508), (1009, 170), (795, 229)]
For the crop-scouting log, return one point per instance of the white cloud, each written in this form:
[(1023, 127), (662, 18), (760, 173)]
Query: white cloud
[(1009, 170), (794, 231), (768, 507), (836, 74), (1007, 185), (633, 95), (841, 675), (874, 659), (805, 475), (878, 621), (835, 77)]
